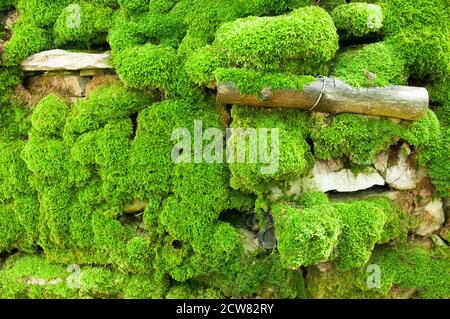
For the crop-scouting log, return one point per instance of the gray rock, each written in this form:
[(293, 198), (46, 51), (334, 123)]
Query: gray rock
[(399, 175), (430, 217), (59, 60), (331, 176)]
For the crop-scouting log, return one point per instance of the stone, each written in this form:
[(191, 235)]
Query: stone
[(60, 60), (400, 174), (64, 85), (11, 19), (267, 238), (249, 240), (331, 176), (93, 72), (430, 217)]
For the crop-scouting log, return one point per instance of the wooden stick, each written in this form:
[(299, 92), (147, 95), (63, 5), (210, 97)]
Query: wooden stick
[(402, 102)]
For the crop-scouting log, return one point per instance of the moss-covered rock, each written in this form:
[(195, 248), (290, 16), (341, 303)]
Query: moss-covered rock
[(83, 23), (342, 232), (373, 65), (404, 271), (357, 19), (306, 36), (153, 67), (420, 32)]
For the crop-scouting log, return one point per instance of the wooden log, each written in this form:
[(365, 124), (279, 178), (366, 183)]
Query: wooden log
[(402, 102)]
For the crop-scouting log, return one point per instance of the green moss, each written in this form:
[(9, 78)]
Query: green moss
[(288, 155), (373, 65), (126, 32), (166, 29), (264, 277), (306, 36), (329, 5), (132, 6), (357, 137), (433, 145), (35, 277), (363, 227), (311, 199), (41, 13), (152, 67), (67, 170), (10, 77), (420, 33), (306, 237), (252, 82), (49, 116), (406, 270), (342, 232), (26, 39), (202, 65), (18, 202), (92, 27), (14, 121), (6, 4), (161, 6), (357, 19)]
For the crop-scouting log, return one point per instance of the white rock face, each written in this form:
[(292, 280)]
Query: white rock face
[(330, 176), (431, 218), (401, 175), (61, 60)]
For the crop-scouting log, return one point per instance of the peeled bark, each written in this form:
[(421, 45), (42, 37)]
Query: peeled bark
[(402, 102)]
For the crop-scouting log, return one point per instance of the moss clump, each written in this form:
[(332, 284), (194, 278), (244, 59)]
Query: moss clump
[(345, 233), (133, 6), (420, 32), (161, 6), (263, 276), (159, 28), (82, 23), (252, 82), (306, 237), (373, 65), (35, 277), (26, 39), (287, 155), (357, 137), (202, 64), (306, 36), (50, 116), (203, 17), (433, 147), (10, 77), (406, 270), (357, 19), (41, 13), (15, 121), (6, 4), (153, 67), (363, 224), (329, 5)]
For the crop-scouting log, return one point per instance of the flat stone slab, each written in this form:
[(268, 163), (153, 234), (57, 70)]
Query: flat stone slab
[(61, 60)]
